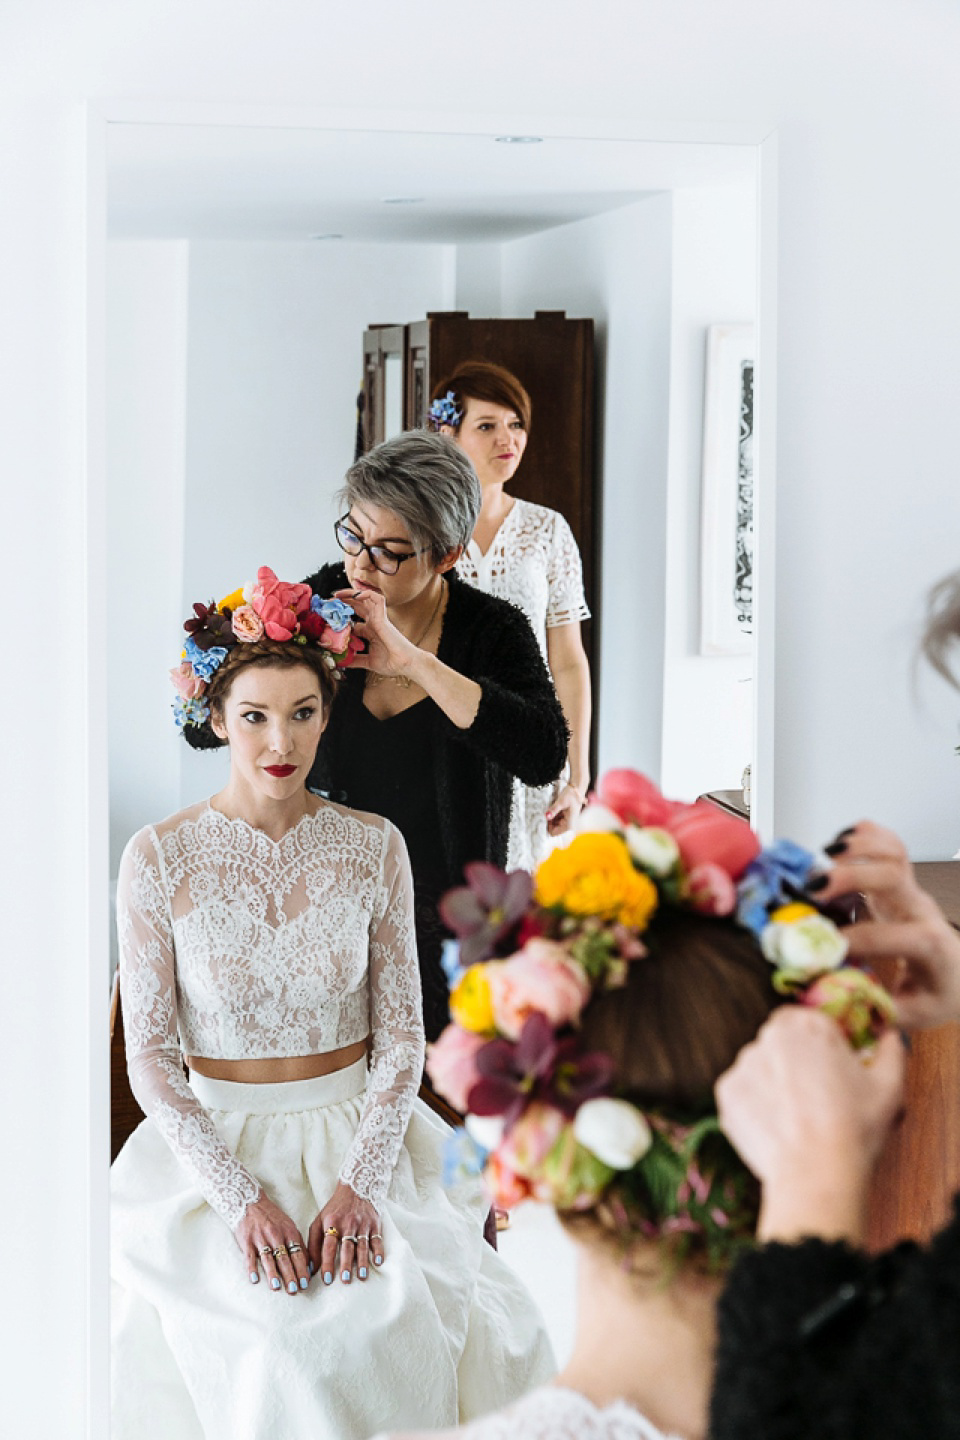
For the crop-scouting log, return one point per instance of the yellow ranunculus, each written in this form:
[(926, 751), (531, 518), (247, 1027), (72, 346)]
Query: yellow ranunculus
[(789, 914), (233, 601), (595, 875), (471, 1003)]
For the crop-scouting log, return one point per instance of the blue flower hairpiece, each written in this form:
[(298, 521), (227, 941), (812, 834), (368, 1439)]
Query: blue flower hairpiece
[(190, 712), (204, 663), (446, 411)]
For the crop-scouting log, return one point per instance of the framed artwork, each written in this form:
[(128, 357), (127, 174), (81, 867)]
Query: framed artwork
[(726, 524)]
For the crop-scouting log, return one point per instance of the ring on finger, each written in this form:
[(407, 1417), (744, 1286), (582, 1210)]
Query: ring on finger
[(345, 1238), (266, 1250), (294, 1249), (281, 1250)]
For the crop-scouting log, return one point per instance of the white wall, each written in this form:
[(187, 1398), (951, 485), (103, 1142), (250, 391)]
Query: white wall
[(616, 268), (707, 700), (865, 100)]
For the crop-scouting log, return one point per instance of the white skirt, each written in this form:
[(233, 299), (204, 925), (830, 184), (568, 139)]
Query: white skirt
[(443, 1332)]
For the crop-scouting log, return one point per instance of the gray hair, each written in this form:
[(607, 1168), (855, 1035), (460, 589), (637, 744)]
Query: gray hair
[(424, 478), (941, 634)]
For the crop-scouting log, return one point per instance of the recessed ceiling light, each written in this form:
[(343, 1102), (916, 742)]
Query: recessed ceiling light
[(404, 200), (519, 139), (331, 235)]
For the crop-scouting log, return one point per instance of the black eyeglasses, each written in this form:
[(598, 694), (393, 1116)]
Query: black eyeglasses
[(386, 561)]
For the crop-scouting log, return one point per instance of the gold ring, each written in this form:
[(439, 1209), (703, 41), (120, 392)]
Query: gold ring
[(267, 1250), (332, 1231), (281, 1250), (294, 1249)]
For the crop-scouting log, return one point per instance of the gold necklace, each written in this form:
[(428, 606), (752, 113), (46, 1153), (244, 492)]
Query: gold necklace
[(374, 678)]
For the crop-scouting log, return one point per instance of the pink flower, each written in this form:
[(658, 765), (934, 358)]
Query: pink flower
[(335, 640), (506, 1188), (186, 682), (711, 890), (861, 1007), (451, 1064), (707, 835), (529, 1141), (246, 624), (633, 797), (279, 604), (543, 978)]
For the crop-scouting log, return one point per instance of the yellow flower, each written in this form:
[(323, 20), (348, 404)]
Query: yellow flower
[(594, 875), (790, 914), (233, 601), (471, 1003)]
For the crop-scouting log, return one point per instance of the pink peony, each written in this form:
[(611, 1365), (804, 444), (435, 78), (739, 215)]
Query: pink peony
[(708, 835), (451, 1064), (711, 890), (279, 604), (633, 797), (186, 682), (529, 1141), (335, 640), (246, 624), (542, 978)]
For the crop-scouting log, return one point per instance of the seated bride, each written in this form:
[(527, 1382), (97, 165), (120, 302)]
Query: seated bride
[(593, 1018), (285, 1258)]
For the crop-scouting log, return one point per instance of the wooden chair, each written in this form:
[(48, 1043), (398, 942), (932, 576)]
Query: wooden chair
[(125, 1113)]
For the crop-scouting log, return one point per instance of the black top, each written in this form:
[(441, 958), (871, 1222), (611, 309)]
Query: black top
[(819, 1340)]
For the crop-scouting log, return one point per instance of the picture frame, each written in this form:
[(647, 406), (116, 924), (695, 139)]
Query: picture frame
[(726, 517)]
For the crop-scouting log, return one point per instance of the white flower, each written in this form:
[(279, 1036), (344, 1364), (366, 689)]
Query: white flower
[(614, 1131), (485, 1130), (597, 819), (805, 947), (653, 849)]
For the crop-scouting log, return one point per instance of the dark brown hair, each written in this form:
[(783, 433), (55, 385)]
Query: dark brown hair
[(941, 635), (481, 380), (275, 654)]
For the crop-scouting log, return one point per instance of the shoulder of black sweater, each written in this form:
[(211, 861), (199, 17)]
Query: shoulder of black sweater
[(468, 607), (331, 576)]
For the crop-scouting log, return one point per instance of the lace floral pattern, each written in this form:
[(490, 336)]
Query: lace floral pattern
[(235, 946), (553, 1413), (533, 562)]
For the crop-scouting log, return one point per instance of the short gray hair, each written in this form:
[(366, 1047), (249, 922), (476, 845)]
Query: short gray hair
[(424, 478)]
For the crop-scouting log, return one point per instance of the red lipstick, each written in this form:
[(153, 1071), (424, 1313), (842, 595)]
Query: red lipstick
[(281, 771)]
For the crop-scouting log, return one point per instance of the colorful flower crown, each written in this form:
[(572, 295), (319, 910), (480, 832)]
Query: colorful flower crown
[(445, 411), (270, 609), (542, 1115)]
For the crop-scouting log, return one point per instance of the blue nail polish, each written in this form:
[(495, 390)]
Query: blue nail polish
[(378, 1259), (292, 1287), (254, 1278), (362, 1272), (303, 1282), (274, 1283), (345, 1276), (327, 1278)]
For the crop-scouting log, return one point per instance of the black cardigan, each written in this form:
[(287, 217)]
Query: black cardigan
[(519, 728), (819, 1340)]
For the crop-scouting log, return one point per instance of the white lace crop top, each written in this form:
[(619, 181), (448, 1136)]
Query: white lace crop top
[(235, 946)]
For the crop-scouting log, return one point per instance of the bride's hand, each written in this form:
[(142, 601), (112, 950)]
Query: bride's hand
[(351, 1225), (388, 652), (264, 1231)]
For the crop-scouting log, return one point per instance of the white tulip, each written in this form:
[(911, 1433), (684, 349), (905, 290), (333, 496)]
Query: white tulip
[(614, 1131), (653, 849), (485, 1130)]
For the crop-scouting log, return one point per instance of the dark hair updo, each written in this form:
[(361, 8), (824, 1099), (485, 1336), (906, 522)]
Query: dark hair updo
[(267, 654), (482, 380)]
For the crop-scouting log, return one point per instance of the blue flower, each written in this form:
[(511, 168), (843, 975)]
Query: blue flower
[(190, 712), (446, 411), (334, 613), (205, 663), (463, 1158), (450, 961), (765, 881)]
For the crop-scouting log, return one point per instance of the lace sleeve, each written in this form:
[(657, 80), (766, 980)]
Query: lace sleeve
[(148, 991), (396, 1031), (565, 578)]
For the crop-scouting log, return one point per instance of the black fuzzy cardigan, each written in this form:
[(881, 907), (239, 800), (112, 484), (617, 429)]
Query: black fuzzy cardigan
[(819, 1340), (519, 728)]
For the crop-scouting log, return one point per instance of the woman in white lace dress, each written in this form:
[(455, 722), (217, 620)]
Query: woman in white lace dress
[(587, 1044), (524, 553), (285, 1259)]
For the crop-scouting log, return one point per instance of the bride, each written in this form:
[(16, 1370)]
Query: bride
[(285, 1258)]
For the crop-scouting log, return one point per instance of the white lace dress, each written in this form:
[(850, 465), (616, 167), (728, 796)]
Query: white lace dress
[(234, 946), (553, 1413), (533, 562)]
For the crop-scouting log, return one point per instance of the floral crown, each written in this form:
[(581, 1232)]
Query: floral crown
[(542, 1115), (445, 411), (269, 609)]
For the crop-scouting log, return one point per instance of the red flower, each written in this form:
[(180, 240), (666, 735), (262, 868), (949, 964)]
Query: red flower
[(707, 835)]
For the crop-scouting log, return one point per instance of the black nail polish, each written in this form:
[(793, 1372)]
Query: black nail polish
[(819, 882), (837, 848), (850, 830)]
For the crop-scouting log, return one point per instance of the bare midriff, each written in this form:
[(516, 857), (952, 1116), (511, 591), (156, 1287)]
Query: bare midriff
[(277, 1069)]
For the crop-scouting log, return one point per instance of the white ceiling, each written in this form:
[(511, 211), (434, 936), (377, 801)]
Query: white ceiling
[(256, 183)]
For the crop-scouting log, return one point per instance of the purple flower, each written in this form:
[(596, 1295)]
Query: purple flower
[(486, 910), (538, 1066)]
